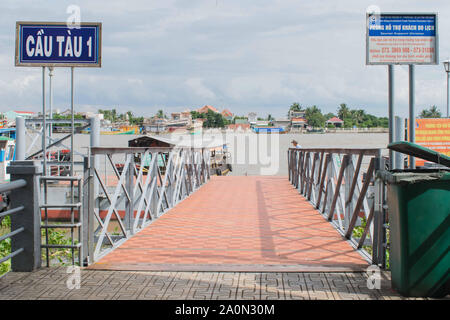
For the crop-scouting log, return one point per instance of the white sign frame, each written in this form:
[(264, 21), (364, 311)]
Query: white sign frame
[(436, 39)]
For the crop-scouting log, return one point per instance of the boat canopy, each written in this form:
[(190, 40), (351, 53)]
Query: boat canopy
[(149, 141)]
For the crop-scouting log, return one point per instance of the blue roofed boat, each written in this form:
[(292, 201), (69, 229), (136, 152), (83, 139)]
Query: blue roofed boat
[(268, 130)]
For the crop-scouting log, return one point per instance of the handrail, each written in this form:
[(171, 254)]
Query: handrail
[(129, 150), (341, 183), (7, 187), (368, 151)]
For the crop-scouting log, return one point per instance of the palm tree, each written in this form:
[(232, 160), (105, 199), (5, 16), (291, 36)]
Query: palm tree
[(295, 107), (113, 115), (433, 112), (358, 115), (160, 114), (343, 111)]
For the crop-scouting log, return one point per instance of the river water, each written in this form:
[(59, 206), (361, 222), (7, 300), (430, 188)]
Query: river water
[(251, 154)]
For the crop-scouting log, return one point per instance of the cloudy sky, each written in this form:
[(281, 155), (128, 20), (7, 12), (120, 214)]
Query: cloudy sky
[(258, 55)]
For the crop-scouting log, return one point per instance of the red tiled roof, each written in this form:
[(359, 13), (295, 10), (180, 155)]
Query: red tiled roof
[(335, 119), (227, 113), (24, 112), (298, 120), (239, 125), (206, 108)]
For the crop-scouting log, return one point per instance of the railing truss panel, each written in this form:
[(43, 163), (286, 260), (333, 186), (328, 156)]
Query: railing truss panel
[(147, 184), (341, 184)]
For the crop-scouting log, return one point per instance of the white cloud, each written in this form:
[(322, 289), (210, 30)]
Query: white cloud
[(245, 55), (199, 89)]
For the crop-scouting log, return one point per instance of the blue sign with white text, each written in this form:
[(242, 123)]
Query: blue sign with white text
[(55, 44), (402, 25)]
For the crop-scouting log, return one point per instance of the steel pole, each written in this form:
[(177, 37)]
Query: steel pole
[(50, 101), (95, 142), (399, 136), (44, 125), (72, 130), (391, 112), (448, 90), (20, 139), (412, 118)]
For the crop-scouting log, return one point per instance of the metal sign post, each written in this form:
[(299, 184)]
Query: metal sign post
[(44, 125), (50, 101), (71, 121), (412, 115), (401, 38), (391, 111)]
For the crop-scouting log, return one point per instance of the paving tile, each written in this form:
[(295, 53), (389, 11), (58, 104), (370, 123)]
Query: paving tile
[(318, 287), (237, 220), (248, 287), (272, 286), (226, 286), (157, 286), (295, 286)]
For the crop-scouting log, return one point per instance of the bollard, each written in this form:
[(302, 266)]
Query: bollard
[(29, 218)]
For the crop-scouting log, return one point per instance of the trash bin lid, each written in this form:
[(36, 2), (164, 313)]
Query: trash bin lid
[(418, 151)]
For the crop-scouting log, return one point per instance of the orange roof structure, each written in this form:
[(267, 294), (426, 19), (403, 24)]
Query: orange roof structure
[(24, 112), (243, 126), (298, 120), (335, 119), (226, 113), (206, 108)]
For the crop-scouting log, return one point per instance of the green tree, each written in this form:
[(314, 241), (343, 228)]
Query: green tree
[(160, 114), (348, 123), (314, 117), (329, 115), (197, 115), (343, 111), (432, 112), (295, 107), (214, 120), (357, 116), (130, 115)]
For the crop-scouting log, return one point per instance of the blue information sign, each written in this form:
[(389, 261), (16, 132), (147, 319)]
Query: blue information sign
[(402, 26), (58, 45), (396, 38)]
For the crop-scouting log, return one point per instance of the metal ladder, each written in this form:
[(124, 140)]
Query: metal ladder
[(44, 205)]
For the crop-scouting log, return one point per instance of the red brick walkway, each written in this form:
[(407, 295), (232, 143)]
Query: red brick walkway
[(251, 223)]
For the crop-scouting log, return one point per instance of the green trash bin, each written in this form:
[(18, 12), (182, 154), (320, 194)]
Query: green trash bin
[(419, 217)]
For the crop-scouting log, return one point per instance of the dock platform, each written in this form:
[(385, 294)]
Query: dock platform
[(238, 223)]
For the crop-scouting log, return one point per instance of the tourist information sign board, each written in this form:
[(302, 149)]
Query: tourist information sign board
[(397, 38), (55, 44), (433, 134)]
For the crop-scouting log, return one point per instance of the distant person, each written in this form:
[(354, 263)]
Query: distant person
[(295, 144)]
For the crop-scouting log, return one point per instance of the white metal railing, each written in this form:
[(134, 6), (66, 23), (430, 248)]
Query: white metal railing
[(6, 188), (343, 186), (146, 182)]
